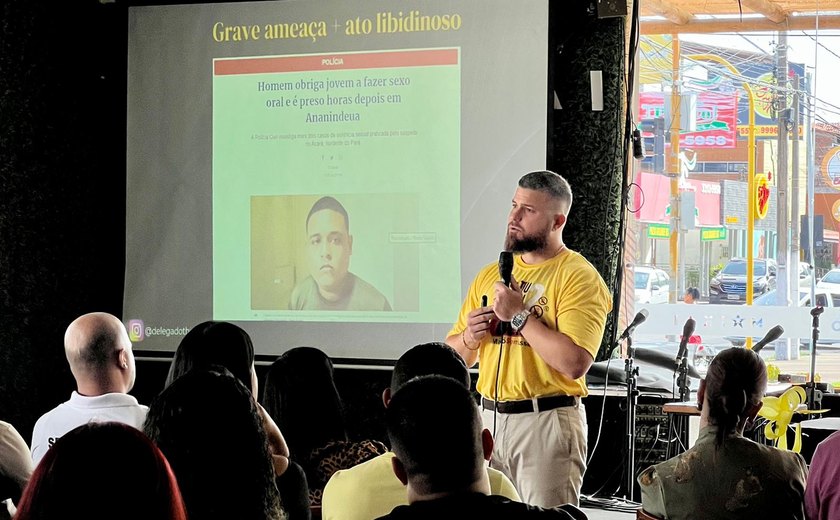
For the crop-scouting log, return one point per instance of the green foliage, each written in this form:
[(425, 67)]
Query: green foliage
[(586, 146)]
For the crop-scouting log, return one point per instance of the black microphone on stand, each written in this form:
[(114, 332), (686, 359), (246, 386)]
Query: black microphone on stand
[(506, 273), (682, 361), (688, 330), (771, 336), (640, 318)]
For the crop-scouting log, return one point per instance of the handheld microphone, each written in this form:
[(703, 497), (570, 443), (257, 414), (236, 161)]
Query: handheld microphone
[(640, 318), (772, 335), (506, 273), (506, 266), (816, 311), (688, 330)]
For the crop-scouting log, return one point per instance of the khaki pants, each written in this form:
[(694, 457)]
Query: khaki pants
[(543, 453)]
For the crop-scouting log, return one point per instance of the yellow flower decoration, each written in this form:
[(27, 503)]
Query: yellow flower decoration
[(779, 411)]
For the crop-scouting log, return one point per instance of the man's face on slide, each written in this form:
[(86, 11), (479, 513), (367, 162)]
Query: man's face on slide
[(330, 247)]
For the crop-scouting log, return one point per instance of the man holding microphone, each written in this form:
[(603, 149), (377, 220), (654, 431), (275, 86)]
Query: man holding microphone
[(535, 340)]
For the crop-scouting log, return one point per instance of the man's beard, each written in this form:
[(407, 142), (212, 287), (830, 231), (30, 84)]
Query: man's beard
[(527, 243)]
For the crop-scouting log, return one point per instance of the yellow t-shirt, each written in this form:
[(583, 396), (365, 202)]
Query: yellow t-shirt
[(370, 490), (568, 295)]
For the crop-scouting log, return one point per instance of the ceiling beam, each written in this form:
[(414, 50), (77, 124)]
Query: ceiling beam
[(793, 23), (768, 8), (670, 11)]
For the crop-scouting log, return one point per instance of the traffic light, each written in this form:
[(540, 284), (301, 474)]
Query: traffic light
[(654, 143)]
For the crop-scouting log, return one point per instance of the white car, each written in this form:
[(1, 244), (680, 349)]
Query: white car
[(806, 272), (651, 285), (831, 280)]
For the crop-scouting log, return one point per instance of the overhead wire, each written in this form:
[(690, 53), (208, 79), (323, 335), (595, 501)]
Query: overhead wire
[(740, 60)]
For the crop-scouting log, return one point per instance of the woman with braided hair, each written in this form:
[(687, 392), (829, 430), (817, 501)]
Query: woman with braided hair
[(725, 475)]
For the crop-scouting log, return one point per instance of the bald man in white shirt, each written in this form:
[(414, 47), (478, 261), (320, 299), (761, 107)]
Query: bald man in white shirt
[(101, 360)]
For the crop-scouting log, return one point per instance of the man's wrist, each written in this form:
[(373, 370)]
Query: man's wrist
[(518, 321), (465, 342)]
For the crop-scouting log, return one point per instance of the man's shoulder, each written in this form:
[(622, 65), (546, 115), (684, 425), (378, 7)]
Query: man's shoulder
[(828, 448), (378, 468), (488, 273), (363, 491), (366, 297), (58, 411), (303, 293), (575, 263), (481, 506)]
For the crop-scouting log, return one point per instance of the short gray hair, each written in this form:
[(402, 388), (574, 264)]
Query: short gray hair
[(551, 183)]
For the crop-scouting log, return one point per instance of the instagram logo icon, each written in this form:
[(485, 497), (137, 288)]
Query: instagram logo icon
[(136, 331)]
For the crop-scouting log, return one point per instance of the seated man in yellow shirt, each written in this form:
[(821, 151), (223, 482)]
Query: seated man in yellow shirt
[(370, 490)]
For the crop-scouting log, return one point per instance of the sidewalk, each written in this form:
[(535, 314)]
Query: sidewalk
[(827, 365)]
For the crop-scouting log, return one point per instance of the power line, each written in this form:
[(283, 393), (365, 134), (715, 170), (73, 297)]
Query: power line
[(753, 43), (821, 45)]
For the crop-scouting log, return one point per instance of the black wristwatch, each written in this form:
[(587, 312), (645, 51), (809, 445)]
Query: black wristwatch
[(519, 319)]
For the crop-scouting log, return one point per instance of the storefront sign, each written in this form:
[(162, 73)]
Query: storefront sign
[(659, 231), (716, 118), (713, 233), (831, 167), (762, 196)]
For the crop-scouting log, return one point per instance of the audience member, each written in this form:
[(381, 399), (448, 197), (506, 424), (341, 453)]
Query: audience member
[(208, 426), (102, 470), (822, 494), (440, 451), (692, 294), (218, 343), (100, 357), (15, 468), (300, 393), (371, 489), (726, 475)]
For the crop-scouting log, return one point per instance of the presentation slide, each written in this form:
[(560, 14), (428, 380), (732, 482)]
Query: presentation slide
[(324, 173)]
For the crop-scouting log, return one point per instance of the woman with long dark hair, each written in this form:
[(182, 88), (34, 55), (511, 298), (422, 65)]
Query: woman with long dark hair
[(219, 343), (208, 426), (725, 475), (300, 393)]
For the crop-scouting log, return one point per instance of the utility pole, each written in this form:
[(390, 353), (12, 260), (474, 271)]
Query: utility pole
[(809, 164), (673, 169), (794, 211), (794, 201), (782, 217)]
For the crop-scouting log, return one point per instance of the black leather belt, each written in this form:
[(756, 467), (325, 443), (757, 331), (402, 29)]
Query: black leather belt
[(539, 404)]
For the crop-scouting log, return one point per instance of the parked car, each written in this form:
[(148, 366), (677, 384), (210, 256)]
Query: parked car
[(824, 296), (651, 285), (730, 284), (806, 273), (831, 280)]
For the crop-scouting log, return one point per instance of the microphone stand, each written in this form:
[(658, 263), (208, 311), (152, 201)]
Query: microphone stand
[(811, 386), (682, 379), (630, 373)]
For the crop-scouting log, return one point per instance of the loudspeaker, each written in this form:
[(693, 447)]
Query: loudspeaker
[(611, 8)]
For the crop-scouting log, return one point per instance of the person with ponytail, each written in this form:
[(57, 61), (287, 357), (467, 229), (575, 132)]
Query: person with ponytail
[(725, 475)]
